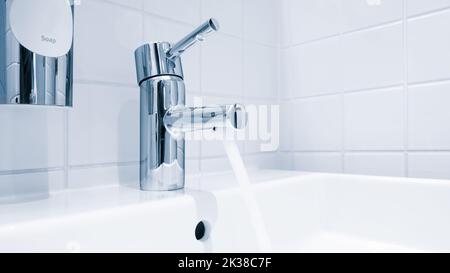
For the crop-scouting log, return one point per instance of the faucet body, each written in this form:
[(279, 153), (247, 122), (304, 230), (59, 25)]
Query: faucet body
[(161, 154), (164, 117)]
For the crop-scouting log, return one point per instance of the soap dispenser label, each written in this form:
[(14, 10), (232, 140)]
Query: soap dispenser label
[(44, 27)]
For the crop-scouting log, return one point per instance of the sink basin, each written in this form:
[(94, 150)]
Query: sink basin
[(303, 212)]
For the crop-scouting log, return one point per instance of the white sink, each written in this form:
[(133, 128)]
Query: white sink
[(302, 212)]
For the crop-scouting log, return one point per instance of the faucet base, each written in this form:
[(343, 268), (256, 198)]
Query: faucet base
[(168, 177), (161, 189)]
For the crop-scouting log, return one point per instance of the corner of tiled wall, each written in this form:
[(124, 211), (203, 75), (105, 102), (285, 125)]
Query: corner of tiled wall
[(367, 84)]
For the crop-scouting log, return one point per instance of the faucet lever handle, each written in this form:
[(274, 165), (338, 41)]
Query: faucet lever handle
[(198, 35)]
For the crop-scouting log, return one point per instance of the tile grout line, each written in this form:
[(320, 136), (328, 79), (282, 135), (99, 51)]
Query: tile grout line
[(405, 88), (372, 89), (222, 156), (405, 17), (430, 82), (104, 83), (32, 171), (426, 14), (103, 165), (347, 92), (341, 34)]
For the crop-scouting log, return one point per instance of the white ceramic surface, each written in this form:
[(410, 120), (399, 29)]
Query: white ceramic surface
[(303, 213)]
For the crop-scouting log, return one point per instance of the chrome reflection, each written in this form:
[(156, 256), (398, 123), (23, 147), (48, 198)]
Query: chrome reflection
[(30, 78)]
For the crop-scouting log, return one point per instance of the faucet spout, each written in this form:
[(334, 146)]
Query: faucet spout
[(198, 35), (179, 120)]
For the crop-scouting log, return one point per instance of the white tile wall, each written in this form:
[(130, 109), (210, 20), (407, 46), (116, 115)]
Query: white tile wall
[(286, 128), (324, 15), (374, 82), (30, 186), (429, 117), (97, 142), (318, 124), (32, 138), (260, 69), (374, 120), (222, 65), (429, 165), (428, 48), (104, 45), (319, 67), (266, 161), (288, 78), (104, 125), (186, 11), (101, 175), (285, 161), (358, 14), (379, 164), (419, 6), (318, 162), (261, 21), (373, 58), (285, 20), (129, 3)]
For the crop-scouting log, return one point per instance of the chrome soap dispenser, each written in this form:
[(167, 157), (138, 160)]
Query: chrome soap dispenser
[(36, 52)]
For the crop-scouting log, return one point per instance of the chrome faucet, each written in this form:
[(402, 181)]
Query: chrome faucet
[(164, 118)]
